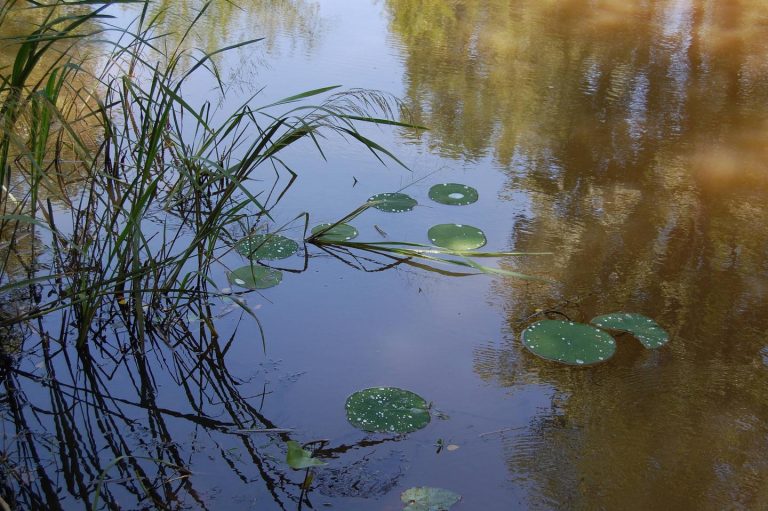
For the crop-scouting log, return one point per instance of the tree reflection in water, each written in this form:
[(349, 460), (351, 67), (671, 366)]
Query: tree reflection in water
[(635, 133)]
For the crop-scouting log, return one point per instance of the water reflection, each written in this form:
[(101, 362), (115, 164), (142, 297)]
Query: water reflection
[(284, 27), (159, 421), (637, 132)]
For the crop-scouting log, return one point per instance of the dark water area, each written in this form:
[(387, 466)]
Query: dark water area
[(629, 139)]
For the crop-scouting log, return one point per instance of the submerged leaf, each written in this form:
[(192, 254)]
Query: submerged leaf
[(429, 499), (339, 232), (387, 410), (393, 202), (568, 342), (298, 458), (646, 330), (266, 246), (255, 277), (453, 194), (456, 236)]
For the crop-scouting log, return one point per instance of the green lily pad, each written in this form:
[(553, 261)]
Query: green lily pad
[(266, 246), (643, 328), (339, 232), (456, 236), (393, 202), (387, 410), (298, 458), (568, 342), (255, 277), (453, 194), (429, 499)]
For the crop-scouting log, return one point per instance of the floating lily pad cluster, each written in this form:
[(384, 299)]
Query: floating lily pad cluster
[(258, 247), (574, 343), (382, 410), (450, 236)]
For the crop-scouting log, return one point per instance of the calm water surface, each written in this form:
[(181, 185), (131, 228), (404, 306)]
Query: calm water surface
[(630, 139)]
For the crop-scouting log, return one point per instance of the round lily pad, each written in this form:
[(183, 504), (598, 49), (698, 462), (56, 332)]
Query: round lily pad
[(429, 499), (643, 328), (339, 232), (453, 194), (568, 342), (266, 246), (255, 277), (456, 236), (393, 202), (387, 410)]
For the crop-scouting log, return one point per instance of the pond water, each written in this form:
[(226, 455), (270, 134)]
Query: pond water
[(628, 139)]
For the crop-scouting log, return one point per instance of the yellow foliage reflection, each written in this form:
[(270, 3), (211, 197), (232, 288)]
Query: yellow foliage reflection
[(637, 133)]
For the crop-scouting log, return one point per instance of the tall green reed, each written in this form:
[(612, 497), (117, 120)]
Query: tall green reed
[(156, 156)]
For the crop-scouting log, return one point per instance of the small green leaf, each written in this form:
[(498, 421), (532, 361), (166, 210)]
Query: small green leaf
[(456, 236), (453, 194), (255, 277), (643, 328), (393, 202), (299, 458), (429, 499), (387, 410), (568, 342), (266, 246), (339, 232)]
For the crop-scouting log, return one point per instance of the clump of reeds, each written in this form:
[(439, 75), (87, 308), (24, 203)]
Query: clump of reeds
[(140, 151)]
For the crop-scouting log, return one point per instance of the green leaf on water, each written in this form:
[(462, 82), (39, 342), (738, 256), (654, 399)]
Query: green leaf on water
[(643, 328), (387, 410), (266, 246), (453, 194), (568, 342), (429, 499), (393, 202), (457, 236), (339, 232), (255, 277), (298, 458)]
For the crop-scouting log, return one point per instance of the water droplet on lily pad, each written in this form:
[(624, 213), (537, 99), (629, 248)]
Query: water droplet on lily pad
[(453, 194), (387, 410), (393, 202), (568, 342), (266, 246), (255, 277), (339, 232), (643, 328), (429, 499), (457, 237)]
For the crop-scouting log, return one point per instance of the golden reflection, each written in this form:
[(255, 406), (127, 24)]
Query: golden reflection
[(60, 176), (294, 22), (637, 131)]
